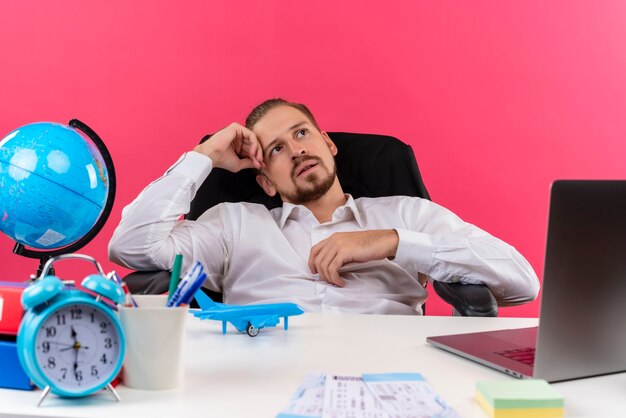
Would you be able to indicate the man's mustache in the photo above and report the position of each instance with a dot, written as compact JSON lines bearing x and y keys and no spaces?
{"x":299,"y":160}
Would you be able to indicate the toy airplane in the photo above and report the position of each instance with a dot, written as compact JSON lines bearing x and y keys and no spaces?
{"x":248,"y":318}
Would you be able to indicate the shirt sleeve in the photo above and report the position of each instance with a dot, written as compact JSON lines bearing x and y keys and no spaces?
{"x":152,"y":232}
{"x":439,"y":244}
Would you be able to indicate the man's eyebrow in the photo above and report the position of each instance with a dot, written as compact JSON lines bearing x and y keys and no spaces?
{"x":270,"y":145}
{"x":275,"y":140}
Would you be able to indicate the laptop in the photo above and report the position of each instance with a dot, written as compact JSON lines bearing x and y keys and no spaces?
{"x":582,"y":322}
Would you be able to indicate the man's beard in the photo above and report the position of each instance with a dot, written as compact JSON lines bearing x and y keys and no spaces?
{"x":317,"y":186}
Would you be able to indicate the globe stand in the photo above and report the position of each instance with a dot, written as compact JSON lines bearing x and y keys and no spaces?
{"x":43,"y":256}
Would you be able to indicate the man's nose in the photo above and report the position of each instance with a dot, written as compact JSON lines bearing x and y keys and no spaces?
{"x":297,"y":150}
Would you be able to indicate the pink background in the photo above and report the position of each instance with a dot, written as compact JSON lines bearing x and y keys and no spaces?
{"x":498,"y":98}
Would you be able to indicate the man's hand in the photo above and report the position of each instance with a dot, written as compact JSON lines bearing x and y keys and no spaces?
{"x":233,"y":148}
{"x":341,"y":248}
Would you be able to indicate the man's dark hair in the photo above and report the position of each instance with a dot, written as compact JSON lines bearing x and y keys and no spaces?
{"x":258,"y":112}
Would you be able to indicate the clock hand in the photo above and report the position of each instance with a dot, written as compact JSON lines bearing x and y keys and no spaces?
{"x":68,"y":348}
{"x":75,"y":347}
{"x":76,"y":364}
{"x":58,"y":343}
{"x":74,"y":337}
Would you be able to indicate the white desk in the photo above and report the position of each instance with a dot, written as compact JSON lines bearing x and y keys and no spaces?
{"x":234,"y":375}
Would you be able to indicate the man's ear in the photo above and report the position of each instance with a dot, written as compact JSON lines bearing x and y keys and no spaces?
{"x":330,"y":143}
{"x":266,"y":184}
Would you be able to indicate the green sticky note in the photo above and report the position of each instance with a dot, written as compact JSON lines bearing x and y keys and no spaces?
{"x":515,"y":394}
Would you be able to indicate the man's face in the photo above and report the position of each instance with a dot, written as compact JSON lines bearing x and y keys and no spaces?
{"x":299,"y":163}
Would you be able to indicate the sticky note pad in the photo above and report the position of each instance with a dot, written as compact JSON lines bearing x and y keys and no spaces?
{"x":532,"y":398}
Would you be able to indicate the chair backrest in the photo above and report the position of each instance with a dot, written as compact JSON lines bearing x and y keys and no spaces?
{"x":367,"y":166}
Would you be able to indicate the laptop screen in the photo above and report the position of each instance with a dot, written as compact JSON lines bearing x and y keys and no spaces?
{"x":582,"y":326}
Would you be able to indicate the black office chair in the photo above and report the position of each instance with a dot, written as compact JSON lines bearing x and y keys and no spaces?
{"x":367,"y":166}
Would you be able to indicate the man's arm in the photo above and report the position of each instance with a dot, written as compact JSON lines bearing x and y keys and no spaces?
{"x":441,"y":245}
{"x":341,"y":248}
{"x":435,"y":242}
{"x":151,"y":232}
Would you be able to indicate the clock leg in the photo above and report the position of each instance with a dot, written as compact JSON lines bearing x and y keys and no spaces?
{"x":113,"y":392}
{"x":43,"y":395}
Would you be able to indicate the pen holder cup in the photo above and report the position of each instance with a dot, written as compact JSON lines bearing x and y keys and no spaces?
{"x":154,"y":343}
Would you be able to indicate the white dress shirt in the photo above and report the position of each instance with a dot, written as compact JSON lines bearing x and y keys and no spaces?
{"x":253,"y":255}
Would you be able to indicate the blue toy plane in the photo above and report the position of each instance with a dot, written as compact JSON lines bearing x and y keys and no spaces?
{"x":248,"y":318}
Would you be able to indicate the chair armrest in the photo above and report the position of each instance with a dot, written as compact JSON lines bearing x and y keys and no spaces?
{"x":148,"y":282}
{"x":468,"y":299}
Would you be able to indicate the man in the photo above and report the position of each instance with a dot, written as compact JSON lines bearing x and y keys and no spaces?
{"x":322,"y":249}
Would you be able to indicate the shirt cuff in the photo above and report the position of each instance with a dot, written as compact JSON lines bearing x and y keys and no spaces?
{"x":415,"y":249}
{"x":193,"y":165}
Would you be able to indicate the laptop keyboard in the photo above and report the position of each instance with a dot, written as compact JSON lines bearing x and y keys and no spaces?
{"x":523,"y":355}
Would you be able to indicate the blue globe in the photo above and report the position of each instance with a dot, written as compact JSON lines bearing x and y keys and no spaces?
{"x":53,"y":185}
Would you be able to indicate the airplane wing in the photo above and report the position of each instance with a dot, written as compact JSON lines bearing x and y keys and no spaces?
{"x":205,"y":314}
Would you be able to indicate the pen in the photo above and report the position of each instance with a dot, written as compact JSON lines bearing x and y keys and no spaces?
{"x":128,"y":298}
{"x":190,"y":280}
{"x":175,"y":277}
{"x":192,"y":289}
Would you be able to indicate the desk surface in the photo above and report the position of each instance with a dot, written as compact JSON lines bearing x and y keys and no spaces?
{"x":234,"y":375}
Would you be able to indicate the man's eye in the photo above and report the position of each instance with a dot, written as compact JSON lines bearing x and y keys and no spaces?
{"x":276,"y":149}
{"x":301,"y":133}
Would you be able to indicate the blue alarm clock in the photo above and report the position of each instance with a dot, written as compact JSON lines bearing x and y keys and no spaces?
{"x":70,"y":342}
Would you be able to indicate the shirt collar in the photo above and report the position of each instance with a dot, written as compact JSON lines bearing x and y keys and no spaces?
{"x":351,"y":204}
{"x":287,"y":209}
{"x":290,"y":211}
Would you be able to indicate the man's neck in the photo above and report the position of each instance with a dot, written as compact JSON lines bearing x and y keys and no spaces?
{"x":324,"y":207}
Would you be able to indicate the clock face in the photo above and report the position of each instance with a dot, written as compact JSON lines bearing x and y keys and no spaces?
{"x":77,"y":347}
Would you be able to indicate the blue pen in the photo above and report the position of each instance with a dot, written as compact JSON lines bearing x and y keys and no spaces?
{"x":192,"y":289}
{"x":191,"y":276}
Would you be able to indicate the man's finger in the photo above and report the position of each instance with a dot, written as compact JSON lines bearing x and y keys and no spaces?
{"x":327,"y":258}
{"x":252,"y":146}
{"x":245,"y":163}
{"x":333,"y":271}
{"x":318,"y":262}
{"x":318,"y":266}
{"x":237,"y":146}
{"x":313,"y":256}
{"x":318,"y":253}
{"x":245,"y":154}
{"x":256,"y":152}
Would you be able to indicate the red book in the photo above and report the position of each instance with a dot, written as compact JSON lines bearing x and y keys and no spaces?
{"x":11,"y":310}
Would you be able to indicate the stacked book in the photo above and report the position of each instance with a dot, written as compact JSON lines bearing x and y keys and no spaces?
{"x":12,"y":374}
{"x":532,"y":398}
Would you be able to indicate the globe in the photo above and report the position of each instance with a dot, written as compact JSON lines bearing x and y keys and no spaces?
{"x":54,"y":185}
